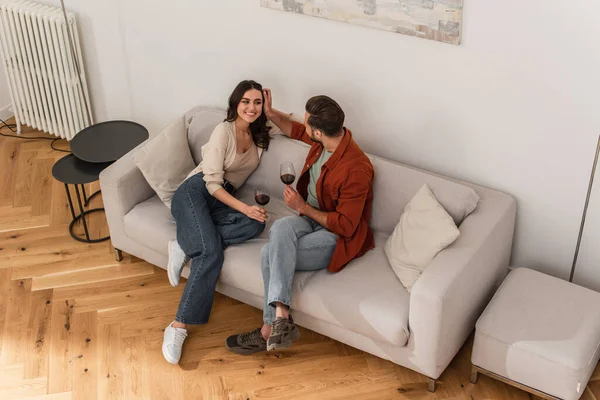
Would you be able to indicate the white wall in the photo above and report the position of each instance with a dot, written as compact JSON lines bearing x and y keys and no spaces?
{"x":99,"y":24}
{"x":104,"y":59}
{"x":515,"y":107}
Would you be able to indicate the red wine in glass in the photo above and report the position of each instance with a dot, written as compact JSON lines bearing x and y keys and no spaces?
{"x":261,"y":196}
{"x":287,"y":173}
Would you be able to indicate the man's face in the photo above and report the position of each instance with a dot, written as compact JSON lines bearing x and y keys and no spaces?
{"x":313,"y":135}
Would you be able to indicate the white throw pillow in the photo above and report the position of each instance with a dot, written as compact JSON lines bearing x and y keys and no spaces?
{"x":165,"y":161}
{"x":425,"y":228}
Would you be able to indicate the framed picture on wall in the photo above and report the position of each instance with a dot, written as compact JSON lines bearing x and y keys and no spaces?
{"x":439,"y":20}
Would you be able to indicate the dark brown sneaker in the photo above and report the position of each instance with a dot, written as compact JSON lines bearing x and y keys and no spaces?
{"x":247,"y":343}
{"x":283,"y":333}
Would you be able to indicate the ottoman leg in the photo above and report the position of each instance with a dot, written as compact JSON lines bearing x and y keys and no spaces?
{"x":431,"y":385}
{"x":474,"y":375}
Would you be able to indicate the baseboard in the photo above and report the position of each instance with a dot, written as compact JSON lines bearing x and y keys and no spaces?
{"x":6,"y":112}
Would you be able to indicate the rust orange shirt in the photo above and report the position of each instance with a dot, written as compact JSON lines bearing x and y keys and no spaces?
{"x":345,"y":192}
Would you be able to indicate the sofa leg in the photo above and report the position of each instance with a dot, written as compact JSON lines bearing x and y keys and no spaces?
{"x":474,"y":375}
{"x":431,"y":385}
{"x":118,"y":255}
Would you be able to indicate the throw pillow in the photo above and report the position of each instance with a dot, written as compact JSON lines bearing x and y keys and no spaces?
{"x":425,"y":228}
{"x":165,"y":161}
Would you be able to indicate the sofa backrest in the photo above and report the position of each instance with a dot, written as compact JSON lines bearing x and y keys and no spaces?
{"x":394,"y":186}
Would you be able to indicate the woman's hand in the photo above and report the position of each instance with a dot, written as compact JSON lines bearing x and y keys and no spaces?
{"x":256,"y":212}
{"x":268,"y":105}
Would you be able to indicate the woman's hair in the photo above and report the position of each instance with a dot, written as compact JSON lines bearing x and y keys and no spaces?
{"x":259,"y":128}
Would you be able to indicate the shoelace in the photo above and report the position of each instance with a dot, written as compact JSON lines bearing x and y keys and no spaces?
{"x":279,"y":324}
{"x":250,"y":336}
{"x":179,"y":337}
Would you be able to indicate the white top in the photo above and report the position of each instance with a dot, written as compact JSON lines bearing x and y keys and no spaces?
{"x":221,"y":161}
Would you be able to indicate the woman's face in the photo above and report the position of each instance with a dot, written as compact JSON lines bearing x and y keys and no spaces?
{"x":250,"y":106}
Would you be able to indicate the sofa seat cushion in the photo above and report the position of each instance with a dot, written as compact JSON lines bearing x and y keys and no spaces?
{"x":365,"y":297}
{"x":242,"y":270}
{"x":542,"y":332}
{"x":150,"y":223}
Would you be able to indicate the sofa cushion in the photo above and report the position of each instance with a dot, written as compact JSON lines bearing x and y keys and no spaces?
{"x":395,"y":185}
{"x":164,"y":172}
{"x":199,"y":124}
{"x":425,"y":229}
{"x":365,"y":298}
{"x":542,"y":332}
{"x":241,"y":268}
{"x":151,"y":223}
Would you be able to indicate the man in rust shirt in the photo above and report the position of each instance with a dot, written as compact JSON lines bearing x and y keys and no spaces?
{"x":334,"y":200}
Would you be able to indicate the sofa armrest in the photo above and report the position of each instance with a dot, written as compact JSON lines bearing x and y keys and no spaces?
{"x":454,"y":290}
{"x":123,"y":187}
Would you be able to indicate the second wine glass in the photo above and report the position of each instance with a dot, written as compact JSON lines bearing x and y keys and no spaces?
{"x":287,"y":173}
{"x":262,"y":197}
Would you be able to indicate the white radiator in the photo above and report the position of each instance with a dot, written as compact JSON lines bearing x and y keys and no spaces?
{"x":47,"y":91}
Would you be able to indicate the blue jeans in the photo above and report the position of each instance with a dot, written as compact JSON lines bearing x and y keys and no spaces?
{"x":205,"y":227}
{"x":295,"y":244}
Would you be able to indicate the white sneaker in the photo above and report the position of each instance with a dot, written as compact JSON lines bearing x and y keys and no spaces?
{"x":172,"y":343}
{"x":177,"y":260}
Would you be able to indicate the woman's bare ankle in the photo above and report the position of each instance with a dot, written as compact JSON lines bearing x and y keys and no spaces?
{"x":179,"y":325}
{"x":265,"y":331}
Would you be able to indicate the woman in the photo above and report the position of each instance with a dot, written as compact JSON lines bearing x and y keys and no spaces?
{"x":208,"y":217}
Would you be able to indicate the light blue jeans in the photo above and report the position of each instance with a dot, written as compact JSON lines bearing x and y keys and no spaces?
{"x":295,"y":244}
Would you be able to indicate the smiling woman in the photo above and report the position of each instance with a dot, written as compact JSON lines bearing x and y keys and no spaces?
{"x":246,"y":105}
{"x":208,"y":217}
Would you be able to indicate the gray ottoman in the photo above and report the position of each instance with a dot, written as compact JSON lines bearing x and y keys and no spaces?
{"x":541,"y":334}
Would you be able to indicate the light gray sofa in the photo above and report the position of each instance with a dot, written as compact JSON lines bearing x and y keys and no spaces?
{"x":364,"y":305}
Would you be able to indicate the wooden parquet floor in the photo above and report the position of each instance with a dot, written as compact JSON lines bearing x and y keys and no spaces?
{"x":76,"y":324}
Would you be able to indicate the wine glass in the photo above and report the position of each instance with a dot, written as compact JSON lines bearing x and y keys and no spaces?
{"x":287,"y":173}
{"x":262,"y":197}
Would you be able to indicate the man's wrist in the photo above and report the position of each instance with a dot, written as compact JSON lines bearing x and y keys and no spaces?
{"x":304,"y":208}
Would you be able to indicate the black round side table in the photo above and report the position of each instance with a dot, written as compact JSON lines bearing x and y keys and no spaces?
{"x":107,"y":141}
{"x":95,"y":148}
{"x":72,"y":171}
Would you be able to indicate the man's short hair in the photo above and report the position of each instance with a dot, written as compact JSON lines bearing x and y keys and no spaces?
{"x":326,"y":115}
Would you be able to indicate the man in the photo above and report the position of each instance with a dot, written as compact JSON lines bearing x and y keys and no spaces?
{"x":334,"y":200}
